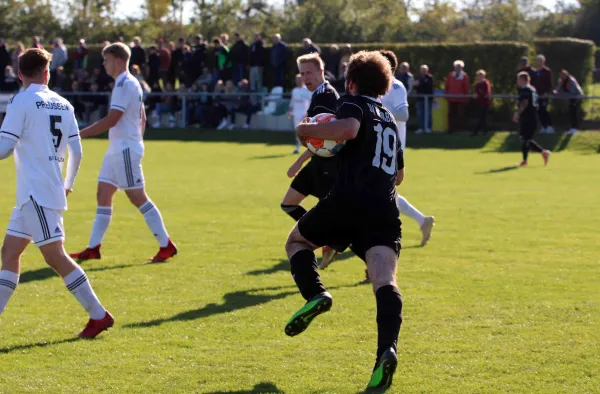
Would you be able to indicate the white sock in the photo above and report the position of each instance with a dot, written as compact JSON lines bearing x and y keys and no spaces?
{"x":103,"y":216}
{"x":78,"y":284}
{"x":8,"y":285}
{"x":407,"y":209}
{"x":155,"y":222}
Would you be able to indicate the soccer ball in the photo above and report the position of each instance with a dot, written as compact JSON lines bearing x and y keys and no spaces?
{"x":323,"y":148}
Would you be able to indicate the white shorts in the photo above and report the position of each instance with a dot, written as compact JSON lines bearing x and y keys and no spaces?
{"x":38,"y":224}
{"x":122,"y":170}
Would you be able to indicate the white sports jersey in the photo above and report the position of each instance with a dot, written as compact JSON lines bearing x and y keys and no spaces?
{"x":127,"y":98}
{"x":396,"y":98}
{"x":300,"y":100}
{"x":42,"y":123}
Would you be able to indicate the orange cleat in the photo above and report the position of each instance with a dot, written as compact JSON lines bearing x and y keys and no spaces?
{"x":95,"y":327}
{"x":546,"y":155}
{"x":164,"y":253}
{"x":523,"y":163}
{"x":88,"y":254}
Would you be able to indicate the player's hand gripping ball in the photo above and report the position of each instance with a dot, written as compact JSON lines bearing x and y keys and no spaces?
{"x":319,"y":147}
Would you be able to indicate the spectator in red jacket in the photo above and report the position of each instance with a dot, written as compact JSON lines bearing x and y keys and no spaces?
{"x":457,"y":83}
{"x":483,"y":95}
{"x":165,"y":61}
{"x":544,"y":85}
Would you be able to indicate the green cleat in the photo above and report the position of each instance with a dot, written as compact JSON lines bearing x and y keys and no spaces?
{"x":384,"y":370}
{"x":320,"y":303}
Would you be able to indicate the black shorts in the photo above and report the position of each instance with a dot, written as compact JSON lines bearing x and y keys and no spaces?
{"x":527,"y":129}
{"x":338,"y":224}
{"x":314,"y":179}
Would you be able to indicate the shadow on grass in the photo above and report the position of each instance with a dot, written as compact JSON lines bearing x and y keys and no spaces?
{"x":498,"y":170}
{"x":46,"y":273}
{"x":270,"y":157}
{"x":10,"y":349}
{"x":234,"y":301}
{"x":554,"y":142}
{"x":284,"y":265}
{"x":264,"y":387}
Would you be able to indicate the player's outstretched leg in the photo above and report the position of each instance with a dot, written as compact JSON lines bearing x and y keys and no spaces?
{"x":78,"y":284}
{"x":104,"y":212}
{"x":12,"y":249}
{"x":306,"y":275}
{"x":155,"y":222}
{"x":426,"y":223}
{"x":382,"y":263}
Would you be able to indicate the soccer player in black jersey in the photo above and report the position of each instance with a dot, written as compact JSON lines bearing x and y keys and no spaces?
{"x":318,"y":176}
{"x":360,"y":208}
{"x":526,"y":117}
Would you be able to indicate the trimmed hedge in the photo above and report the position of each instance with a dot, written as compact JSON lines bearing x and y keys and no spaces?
{"x":499,"y":59}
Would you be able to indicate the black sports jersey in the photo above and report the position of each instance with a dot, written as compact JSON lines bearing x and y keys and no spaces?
{"x":367,"y":165}
{"x":530,"y":94}
{"x":323,"y":100}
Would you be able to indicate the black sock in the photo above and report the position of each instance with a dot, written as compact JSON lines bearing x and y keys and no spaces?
{"x":389,"y":318}
{"x":306,"y":274}
{"x":535,"y":146}
{"x":525,"y":149}
{"x":295,"y":211}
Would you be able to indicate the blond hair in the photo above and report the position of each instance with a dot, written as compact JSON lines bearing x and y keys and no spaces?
{"x":313,"y":58}
{"x":118,"y":50}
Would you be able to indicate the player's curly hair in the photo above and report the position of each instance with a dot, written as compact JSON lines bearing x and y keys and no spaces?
{"x":33,"y":62}
{"x":371,"y":72}
{"x":391,"y":57}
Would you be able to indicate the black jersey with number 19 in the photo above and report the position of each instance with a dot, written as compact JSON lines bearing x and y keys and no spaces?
{"x":367,"y":165}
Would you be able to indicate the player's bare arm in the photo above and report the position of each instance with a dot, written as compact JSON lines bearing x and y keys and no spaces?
{"x":342,"y":129}
{"x":103,"y":124}
{"x":143,"y":110}
{"x":294,"y":168}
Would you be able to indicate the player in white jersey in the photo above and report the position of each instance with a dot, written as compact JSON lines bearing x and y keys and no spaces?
{"x":38,"y":127}
{"x":397,"y":102}
{"x":299,"y":105}
{"x":122,"y":166}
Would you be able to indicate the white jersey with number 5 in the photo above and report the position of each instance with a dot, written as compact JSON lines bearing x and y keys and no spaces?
{"x":41,"y":122}
{"x":127,"y":98}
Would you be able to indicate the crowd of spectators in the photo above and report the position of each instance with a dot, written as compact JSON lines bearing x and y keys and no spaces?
{"x":226,"y":82}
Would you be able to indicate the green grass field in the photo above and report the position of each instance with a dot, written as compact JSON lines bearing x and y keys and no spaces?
{"x":505,"y":298}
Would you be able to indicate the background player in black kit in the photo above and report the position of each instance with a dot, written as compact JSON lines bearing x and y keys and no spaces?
{"x":526,"y":117}
{"x":360,"y":209}
{"x":318,"y":176}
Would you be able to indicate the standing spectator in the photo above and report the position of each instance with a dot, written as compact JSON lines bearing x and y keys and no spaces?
{"x":195,"y":62}
{"x":224,"y":68}
{"x":153,"y":71}
{"x":257,"y":63}
{"x":483,"y":95}
{"x":239,"y":58}
{"x":60,"y":84}
{"x":332,"y":61}
{"x":309,"y":47}
{"x":138,"y":54}
{"x":406,"y":77}
{"x":299,"y":105}
{"x":279,"y":52}
{"x":224,"y":39}
{"x":19,"y":48}
{"x":526,"y":67}
{"x":568,"y":85}
{"x":544,"y":85}
{"x":10,"y":82}
{"x":5,"y":60}
{"x":424,"y":85}
{"x":80,"y":58}
{"x":346,"y":53}
{"x":457,"y":83}
{"x":36,"y":42}
{"x":177,"y":56}
{"x":59,"y":58}
{"x":164,"y":56}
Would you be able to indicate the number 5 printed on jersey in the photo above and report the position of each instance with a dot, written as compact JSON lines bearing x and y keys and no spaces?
{"x":386,"y":147}
{"x":55,"y":121}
